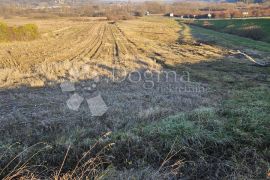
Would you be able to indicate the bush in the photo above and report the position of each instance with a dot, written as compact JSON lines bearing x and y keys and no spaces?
{"x":253,"y":32}
{"x":27,"y":32}
{"x":207,"y":24}
{"x":3,"y":31}
{"x":138,"y":13}
{"x":22,"y":33}
{"x":122,"y":16}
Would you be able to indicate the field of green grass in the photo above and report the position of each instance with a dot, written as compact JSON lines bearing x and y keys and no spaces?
{"x":257,"y":29}
{"x":228,"y":40}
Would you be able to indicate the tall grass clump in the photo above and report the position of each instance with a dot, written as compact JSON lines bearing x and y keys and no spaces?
{"x":26,"y":32}
{"x":90,"y":164}
{"x":3,"y":31}
{"x":252,"y":32}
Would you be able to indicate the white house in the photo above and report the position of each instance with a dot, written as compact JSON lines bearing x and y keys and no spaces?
{"x":171,"y":15}
{"x":245,"y":13}
{"x":59,"y":1}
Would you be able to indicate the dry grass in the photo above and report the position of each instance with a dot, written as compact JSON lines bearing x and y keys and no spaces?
{"x":21,"y":33}
{"x":159,"y":39}
{"x":83,"y":44}
{"x":158,"y":133}
{"x":87,"y":43}
{"x":90,"y":165}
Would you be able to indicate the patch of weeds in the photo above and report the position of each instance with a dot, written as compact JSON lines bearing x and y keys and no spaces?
{"x":3,"y":31}
{"x":21,"y":33}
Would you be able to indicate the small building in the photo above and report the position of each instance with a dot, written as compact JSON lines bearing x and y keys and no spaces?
{"x":245,"y":14}
{"x":147,"y":13}
{"x":59,"y":1}
{"x":171,"y":15}
{"x":209,"y":15}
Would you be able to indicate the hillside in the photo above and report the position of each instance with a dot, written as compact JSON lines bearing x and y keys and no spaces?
{"x":257,"y":29}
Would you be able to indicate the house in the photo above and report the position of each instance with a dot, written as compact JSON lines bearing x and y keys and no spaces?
{"x":147,"y":13}
{"x":59,"y":1}
{"x":171,"y":15}
{"x":245,"y":13}
{"x":209,"y":15}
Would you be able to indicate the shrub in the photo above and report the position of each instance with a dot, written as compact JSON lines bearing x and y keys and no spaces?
{"x":115,"y":17}
{"x":3,"y":31}
{"x":250,"y":31}
{"x":138,"y":13}
{"x":253,"y":32}
{"x":27,"y":32}
{"x":207,"y":24}
{"x":22,"y":33}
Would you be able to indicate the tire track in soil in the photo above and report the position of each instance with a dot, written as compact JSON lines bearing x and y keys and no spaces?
{"x":116,"y":55}
{"x":100,"y":42}
{"x":92,"y":41}
{"x":93,"y":36}
{"x":130,"y":42}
